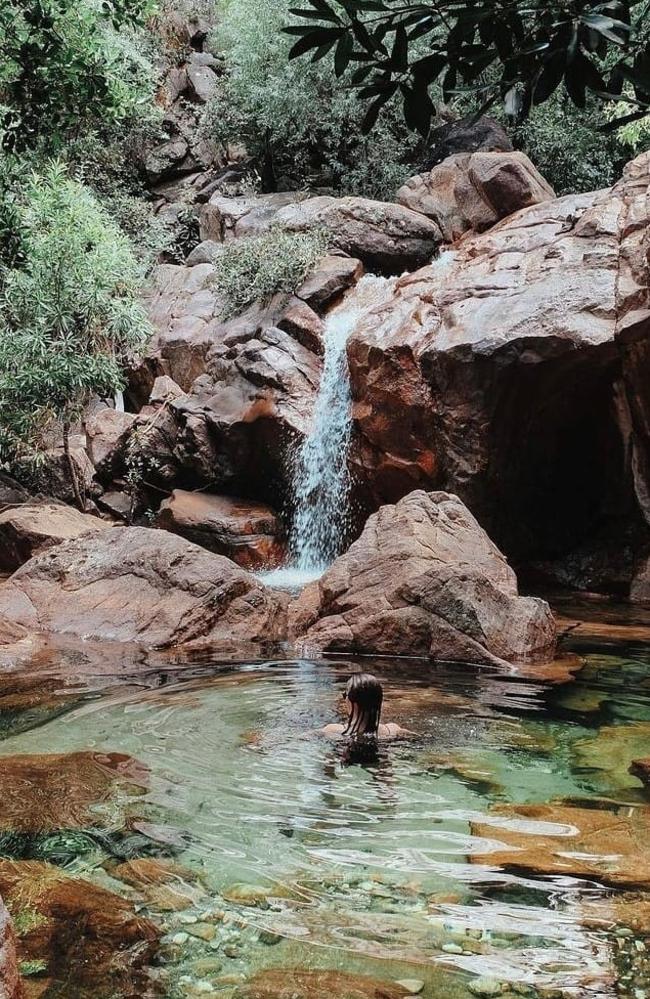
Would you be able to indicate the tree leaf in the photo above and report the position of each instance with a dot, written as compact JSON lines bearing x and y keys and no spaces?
{"x":343,"y":53}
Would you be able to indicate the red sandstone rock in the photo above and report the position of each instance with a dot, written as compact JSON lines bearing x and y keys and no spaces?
{"x":514,"y":365}
{"x":333,"y":275}
{"x":29,"y":529}
{"x":474,"y":191}
{"x":424,"y":580}
{"x":141,"y":585}
{"x":248,"y":533}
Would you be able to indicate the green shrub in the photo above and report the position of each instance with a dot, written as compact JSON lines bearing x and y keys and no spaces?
{"x":301,"y":123}
{"x":66,"y":65}
{"x":69,"y":313}
{"x":259,"y":267}
{"x":569,"y":148}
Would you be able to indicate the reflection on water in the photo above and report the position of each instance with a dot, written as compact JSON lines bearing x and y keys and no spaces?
{"x":374,"y":864}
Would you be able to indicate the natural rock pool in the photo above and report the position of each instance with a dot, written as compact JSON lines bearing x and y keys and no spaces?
{"x":259,"y":851}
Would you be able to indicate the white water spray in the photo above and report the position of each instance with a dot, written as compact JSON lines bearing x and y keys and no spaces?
{"x":321,"y":478}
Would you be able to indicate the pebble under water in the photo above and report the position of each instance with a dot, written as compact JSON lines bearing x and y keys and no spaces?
{"x":305,"y":855}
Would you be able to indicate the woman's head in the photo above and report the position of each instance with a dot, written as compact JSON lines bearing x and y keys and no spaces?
{"x":365,"y":695}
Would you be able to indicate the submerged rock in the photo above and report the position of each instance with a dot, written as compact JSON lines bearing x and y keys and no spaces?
{"x":612,"y":847}
{"x":56,"y":791}
{"x":249,"y":533}
{"x":141,"y":585}
{"x":424,"y":579}
{"x":87,"y":936}
{"x":293,"y":983}
{"x":165,"y":885}
{"x":31,"y":528}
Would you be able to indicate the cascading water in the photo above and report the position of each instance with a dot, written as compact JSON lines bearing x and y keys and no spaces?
{"x":321,"y":482}
{"x":321,"y":477}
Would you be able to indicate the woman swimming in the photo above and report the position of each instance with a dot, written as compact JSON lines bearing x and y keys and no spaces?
{"x":365,"y":696}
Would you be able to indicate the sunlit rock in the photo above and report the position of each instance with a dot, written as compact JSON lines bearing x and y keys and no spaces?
{"x":474,"y":191}
{"x":250,"y":534}
{"x":31,"y":528}
{"x":141,"y":585}
{"x":424,"y":579}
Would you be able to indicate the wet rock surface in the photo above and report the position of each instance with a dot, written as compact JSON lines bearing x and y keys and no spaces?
{"x":141,"y":585}
{"x":250,"y":534}
{"x":424,"y":579}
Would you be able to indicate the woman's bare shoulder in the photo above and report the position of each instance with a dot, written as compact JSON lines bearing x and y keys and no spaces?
{"x":333,"y":731}
{"x":391,"y":730}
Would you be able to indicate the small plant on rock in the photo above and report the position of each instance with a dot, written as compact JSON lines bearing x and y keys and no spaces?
{"x":258,"y":267}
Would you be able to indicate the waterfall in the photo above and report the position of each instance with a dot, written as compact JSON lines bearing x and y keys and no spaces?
{"x":321,"y":482}
{"x":321,"y":478}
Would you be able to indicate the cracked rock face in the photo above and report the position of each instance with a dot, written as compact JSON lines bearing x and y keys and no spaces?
{"x":141,"y":585}
{"x":424,"y":579}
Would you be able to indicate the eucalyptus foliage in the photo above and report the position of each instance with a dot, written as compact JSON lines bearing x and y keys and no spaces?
{"x":69,"y":314}
{"x":535,"y":46}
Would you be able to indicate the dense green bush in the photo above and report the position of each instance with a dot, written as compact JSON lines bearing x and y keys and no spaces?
{"x":259,"y":267}
{"x":69,"y":314}
{"x":301,"y":123}
{"x":66,"y":65}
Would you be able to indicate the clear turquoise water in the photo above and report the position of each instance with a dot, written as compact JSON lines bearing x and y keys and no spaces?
{"x":367,"y":865}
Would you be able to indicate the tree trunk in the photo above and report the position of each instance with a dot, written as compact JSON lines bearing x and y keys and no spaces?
{"x":72,"y":471}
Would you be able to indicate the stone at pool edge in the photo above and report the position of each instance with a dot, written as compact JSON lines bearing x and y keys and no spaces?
{"x":78,"y":928}
{"x":138,"y":584}
{"x":31,"y":528}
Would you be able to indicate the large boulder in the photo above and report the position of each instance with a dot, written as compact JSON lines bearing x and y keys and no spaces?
{"x":515,"y":363}
{"x":107,"y":432}
{"x":474,"y":191}
{"x":30,"y":528}
{"x":384,"y":236}
{"x":141,"y":585}
{"x":424,"y":580}
{"x":248,"y":533}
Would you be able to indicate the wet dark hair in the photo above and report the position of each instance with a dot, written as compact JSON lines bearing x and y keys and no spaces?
{"x":365,"y":694}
